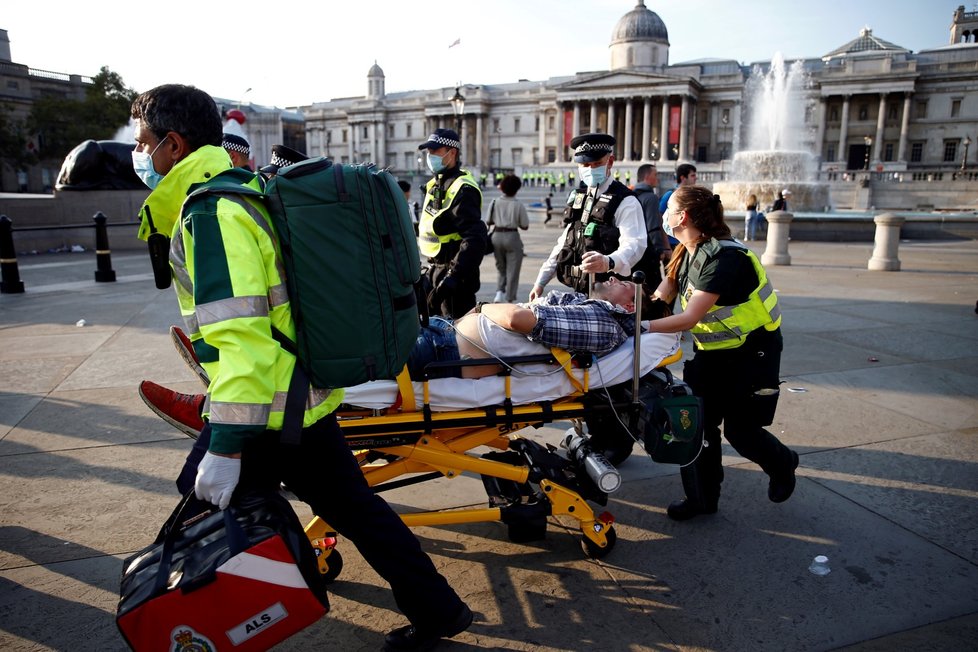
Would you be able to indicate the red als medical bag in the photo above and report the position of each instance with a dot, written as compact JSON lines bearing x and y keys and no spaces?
{"x":244,"y":578}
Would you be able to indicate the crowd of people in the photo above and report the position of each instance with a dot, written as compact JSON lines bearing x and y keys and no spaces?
{"x":609,"y":230}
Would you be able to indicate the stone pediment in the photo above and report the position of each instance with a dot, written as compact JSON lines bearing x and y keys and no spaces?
{"x":616,"y":80}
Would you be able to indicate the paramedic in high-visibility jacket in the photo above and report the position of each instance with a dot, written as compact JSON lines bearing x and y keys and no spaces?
{"x":230,"y":287}
{"x":731,"y":310}
{"x":451,"y":233}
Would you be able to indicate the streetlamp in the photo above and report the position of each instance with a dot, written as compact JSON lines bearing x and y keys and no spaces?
{"x":458,"y":107}
{"x":869,"y":144}
{"x":964,"y":159}
{"x":655,"y":149}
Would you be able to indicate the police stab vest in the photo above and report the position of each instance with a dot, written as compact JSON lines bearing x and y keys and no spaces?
{"x":727,"y":327}
{"x":592,"y":229}
{"x":434,"y":205}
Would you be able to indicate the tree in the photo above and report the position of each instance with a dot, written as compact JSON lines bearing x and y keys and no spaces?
{"x":13,"y":144}
{"x":64,"y":123}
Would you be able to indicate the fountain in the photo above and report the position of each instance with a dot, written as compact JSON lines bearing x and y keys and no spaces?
{"x":777,"y":154}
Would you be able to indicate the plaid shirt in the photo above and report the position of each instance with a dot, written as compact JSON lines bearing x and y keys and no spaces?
{"x":571,"y":321}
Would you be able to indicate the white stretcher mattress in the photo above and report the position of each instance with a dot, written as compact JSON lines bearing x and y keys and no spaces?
{"x":529,"y":383}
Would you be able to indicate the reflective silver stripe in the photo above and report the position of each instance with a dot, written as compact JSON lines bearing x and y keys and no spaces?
{"x":719,"y":314}
{"x":278,"y":295}
{"x":190,"y":321}
{"x":240,"y":414}
{"x":430,"y":238}
{"x":706,"y":338}
{"x":316,"y":397}
{"x":765,"y":291}
{"x":178,"y":260}
{"x":231,"y":308}
{"x":263,"y":224}
{"x":775,"y":312}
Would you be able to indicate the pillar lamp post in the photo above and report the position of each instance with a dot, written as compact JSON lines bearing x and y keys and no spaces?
{"x":964,"y":159}
{"x":458,"y":107}
{"x":869,"y":144}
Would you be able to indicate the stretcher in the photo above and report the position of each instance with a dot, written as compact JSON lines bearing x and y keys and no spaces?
{"x":403,"y":433}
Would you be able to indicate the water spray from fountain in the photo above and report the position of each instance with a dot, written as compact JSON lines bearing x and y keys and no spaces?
{"x":777,"y":146}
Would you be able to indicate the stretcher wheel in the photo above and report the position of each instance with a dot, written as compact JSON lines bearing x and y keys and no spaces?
{"x":593,"y":550}
{"x":334,"y":564}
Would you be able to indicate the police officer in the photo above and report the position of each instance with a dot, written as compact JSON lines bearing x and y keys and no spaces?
{"x":732,"y":312}
{"x":451,"y":233}
{"x":604,"y":223}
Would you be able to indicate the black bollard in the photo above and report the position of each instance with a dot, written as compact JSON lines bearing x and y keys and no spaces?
{"x":10,"y":282}
{"x":103,"y":255}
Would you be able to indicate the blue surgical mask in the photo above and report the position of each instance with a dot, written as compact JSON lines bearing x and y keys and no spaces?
{"x":142,"y":163}
{"x":435,"y":163}
{"x":593,"y":177}
{"x":667,"y":227}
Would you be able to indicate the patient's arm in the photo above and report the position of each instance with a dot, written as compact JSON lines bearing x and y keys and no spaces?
{"x":511,"y":316}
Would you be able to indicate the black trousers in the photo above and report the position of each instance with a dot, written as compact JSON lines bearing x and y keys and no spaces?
{"x":727,"y":381}
{"x":459,"y":301}
{"x":322,"y":472}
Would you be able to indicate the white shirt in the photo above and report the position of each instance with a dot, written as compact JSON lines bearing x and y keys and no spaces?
{"x":632,"y":239}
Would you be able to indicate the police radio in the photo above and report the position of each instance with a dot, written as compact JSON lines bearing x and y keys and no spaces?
{"x":159,"y":254}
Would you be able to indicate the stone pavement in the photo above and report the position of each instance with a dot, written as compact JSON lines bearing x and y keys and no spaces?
{"x":881,"y":402}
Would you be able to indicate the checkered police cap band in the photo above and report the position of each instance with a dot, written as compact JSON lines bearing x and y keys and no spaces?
{"x":447,"y":142}
{"x":236,"y":144}
{"x":279,"y":161}
{"x":590,"y":147}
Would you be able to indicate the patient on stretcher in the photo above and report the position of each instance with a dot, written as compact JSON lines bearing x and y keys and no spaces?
{"x":565,"y":320}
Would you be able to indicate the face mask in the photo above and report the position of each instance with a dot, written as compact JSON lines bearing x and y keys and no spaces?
{"x":665,"y":224}
{"x":593,"y":177}
{"x":142,"y":163}
{"x":435,"y":163}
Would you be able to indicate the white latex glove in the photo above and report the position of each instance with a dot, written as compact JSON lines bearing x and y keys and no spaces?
{"x":217,"y":476}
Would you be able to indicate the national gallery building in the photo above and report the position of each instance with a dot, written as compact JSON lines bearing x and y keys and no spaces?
{"x":873,"y":105}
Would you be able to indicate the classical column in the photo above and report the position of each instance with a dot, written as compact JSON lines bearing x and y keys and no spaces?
{"x":714,"y":111}
{"x":880,"y":118}
{"x":381,"y":157}
{"x":626,"y":147}
{"x":646,"y":126}
{"x":480,"y":147}
{"x":542,"y":139}
{"x":593,"y":124}
{"x":904,"y":126}
{"x":322,"y":141}
{"x":684,"y":130}
{"x":735,"y":121}
{"x":465,"y":136}
{"x":561,"y":145}
{"x":841,"y":155}
{"x":575,"y":126}
{"x":820,"y":131}
{"x":351,"y":143}
{"x":611,"y":118}
{"x":664,"y":130}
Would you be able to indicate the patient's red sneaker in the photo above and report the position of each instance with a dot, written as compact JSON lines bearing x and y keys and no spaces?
{"x":182,"y":411}
{"x":186,"y":350}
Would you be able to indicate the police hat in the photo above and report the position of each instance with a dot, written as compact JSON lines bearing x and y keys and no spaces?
{"x":282,"y":156}
{"x":592,"y":147}
{"x":441,"y":138}
{"x":235,"y":143}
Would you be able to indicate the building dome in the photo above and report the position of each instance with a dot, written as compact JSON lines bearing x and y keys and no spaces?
{"x":640,"y":24}
{"x":375,"y":82}
{"x":375,"y":71}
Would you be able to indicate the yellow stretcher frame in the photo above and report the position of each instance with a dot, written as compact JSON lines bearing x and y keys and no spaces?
{"x":405,"y":441}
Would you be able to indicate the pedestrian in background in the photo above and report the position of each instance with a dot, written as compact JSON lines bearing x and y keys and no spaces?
{"x":750,"y":220}
{"x":507,"y":215}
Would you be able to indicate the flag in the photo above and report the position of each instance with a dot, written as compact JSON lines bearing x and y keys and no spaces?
{"x":458,"y":41}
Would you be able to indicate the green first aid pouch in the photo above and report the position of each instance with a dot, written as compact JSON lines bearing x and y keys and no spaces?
{"x":670,"y":419}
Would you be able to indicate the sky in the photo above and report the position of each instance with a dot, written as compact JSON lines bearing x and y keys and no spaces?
{"x":296,"y":52}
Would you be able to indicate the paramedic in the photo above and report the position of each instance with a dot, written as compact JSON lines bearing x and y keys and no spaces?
{"x":230,"y":292}
{"x":452,"y":234}
{"x":732,"y":312}
{"x":604,"y":230}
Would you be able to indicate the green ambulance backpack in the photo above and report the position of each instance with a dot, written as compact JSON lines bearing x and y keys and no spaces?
{"x":352,"y":267}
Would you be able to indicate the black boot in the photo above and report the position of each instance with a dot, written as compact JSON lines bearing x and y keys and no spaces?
{"x":696,"y":501}
{"x":782,"y":484}
{"x":685,"y":509}
{"x":411,"y":638}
